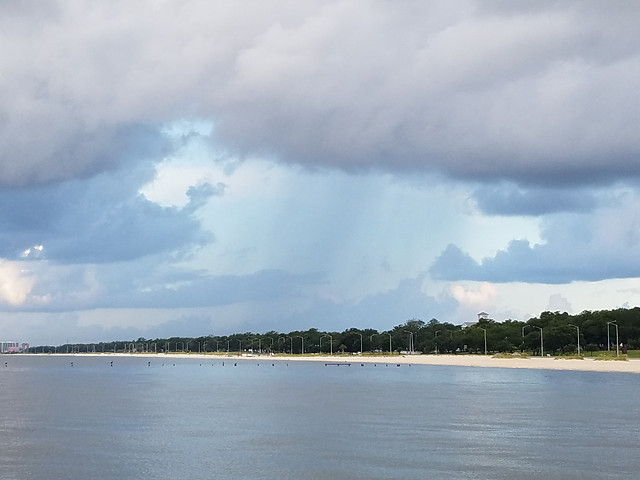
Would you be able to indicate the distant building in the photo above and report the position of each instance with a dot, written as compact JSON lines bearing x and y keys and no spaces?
{"x":481,"y":316}
{"x":9,"y":347}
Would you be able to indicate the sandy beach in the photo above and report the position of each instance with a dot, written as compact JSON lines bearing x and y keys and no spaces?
{"x":486,"y":361}
{"x":543,"y":363}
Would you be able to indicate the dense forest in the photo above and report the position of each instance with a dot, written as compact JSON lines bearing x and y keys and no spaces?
{"x":551,"y":333}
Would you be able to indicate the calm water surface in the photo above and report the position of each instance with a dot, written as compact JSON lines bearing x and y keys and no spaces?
{"x":192,"y":418}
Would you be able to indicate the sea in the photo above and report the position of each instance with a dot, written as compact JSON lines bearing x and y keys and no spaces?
{"x":115,"y":417}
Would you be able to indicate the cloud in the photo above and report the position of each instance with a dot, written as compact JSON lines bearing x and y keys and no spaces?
{"x":331,"y":147}
{"x":153,"y":283}
{"x":482,"y":297}
{"x":519,"y":262}
{"x":15,"y":283}
{"x":193,"y":290}
{"x":558,"y":303}
{"x":574,"y":247}
{"x":512,"y":200}
{"x":543,"y":95}
{"x":101,"y":219}
{"x":34,"y":252}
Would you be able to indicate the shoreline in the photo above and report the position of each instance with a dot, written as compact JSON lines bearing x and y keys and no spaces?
{"x":485,"y":361}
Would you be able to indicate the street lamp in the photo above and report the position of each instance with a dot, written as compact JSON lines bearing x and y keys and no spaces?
{"x":541,"y":341}
{"x":301,"y":338}
{"x":436,"y":338}
{"x":523,"y":345}
{"x":330,"y":342}
{"x":578,"y":334}
{"x":360,"y":342}
{"x":617,"y":342}
{"x":485,"y":339}
{"x":410,"y":341}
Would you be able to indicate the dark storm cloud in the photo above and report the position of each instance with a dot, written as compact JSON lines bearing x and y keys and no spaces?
{"x":102,"y":219}
{"x":539,"y":93}
{"x":523,"y":262}
{"x":509,"y":199}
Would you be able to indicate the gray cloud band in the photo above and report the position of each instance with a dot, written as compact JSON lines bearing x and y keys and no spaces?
{"x":476,"y":90}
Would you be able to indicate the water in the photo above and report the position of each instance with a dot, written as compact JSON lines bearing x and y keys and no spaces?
{"x":193,"y":418}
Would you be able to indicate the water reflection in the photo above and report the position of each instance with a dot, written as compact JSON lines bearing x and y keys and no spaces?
{"x":199,"y":419}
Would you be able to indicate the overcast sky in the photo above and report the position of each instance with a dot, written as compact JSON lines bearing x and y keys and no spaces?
{"x":196,"y":167}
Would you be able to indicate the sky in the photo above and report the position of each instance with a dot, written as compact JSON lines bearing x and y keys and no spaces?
{"x":187,"y":168}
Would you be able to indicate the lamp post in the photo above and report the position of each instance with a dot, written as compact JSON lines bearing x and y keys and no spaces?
{"x":330,"y":342}
{"x":410,"y":341}
{"x":577,"y":333}
{"x":301,"y":338}
{"x":390,"y":350}
{"x":541,"y":341}
{"x":360,"y":342}
{"x":485,"y":339}
{"x":522,"y":344}
{"x":436,"y":339}
{"x":617,"y":343}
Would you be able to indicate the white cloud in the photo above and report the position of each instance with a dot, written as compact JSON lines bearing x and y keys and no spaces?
{"x":558,"y":303}
{"x":33,"y":252}
{"x":16,"y":283}
{"x":481,"y":296}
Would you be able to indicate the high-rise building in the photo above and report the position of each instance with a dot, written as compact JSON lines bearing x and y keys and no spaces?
{"x":7,"y":347}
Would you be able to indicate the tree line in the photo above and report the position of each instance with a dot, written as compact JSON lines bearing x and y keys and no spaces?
{"x":550,"y":333}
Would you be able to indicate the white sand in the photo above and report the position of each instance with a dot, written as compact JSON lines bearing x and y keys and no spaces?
{"x":543,"y":363}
